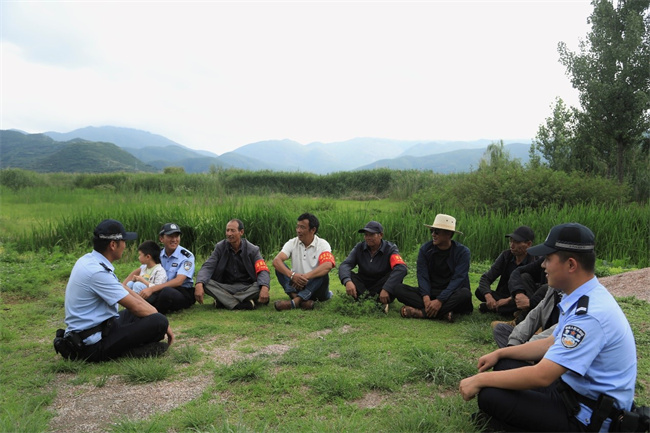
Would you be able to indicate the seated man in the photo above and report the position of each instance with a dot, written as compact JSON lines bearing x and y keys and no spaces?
{"x":499,"y":300}
{"x":585,"y":372}
{"x":542,"y":318}
{"x":443,"y":276}
{"x":178,"y":292}
{"x":527,"y":286}
{"x":235,"y":274}
{"x":381,"y":268}
{"x":96,"y":331}
{"x":311,"y":260}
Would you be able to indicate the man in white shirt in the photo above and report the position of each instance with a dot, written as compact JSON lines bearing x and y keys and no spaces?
{"x":311,"y":260}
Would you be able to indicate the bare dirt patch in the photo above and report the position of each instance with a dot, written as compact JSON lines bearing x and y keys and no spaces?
{"x":633,"y":283}
{"x":87,"y":408}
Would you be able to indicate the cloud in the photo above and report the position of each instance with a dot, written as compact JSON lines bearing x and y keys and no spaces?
{"x":218,"y":75}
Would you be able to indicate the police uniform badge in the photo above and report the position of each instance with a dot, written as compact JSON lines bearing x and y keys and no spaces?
{"x":187,"y":265}
{"x":572,"y":336}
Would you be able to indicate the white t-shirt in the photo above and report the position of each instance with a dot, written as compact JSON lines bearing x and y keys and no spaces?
{"x":154,"y":275}
{"x":306,"y":259}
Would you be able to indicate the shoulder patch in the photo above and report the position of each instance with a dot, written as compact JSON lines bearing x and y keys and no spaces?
{"x":186,"y":253}
{"x":187,"y":265}
{"x":583,"y":305}
{"x":572,"y":336}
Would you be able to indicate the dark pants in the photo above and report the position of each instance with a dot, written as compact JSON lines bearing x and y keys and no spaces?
{"x":171,"y":299}
{"x":540,"y":409}
{"x":126,"y":332}
{"x":506,"y":310}
{"x":459,"y":302}
{"x":316,"y":289}
{"x":367,"y":288}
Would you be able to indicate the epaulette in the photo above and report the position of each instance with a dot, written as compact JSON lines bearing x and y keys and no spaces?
{"x":106,"y":267}
{"x":186,"y":253}
{"x":583,"y":305}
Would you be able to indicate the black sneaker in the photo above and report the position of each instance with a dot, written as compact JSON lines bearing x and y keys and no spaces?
{"x":246,"y":305}
{"x":149,"y":350}
{"x":482,"y":307}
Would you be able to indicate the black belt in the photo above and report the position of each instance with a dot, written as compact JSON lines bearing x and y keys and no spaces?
{"x":601,"y":409}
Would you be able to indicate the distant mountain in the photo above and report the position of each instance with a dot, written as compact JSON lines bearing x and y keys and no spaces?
{"x":456,"y":161}
{"x":288,"y":155}
{"x":41,"y":153}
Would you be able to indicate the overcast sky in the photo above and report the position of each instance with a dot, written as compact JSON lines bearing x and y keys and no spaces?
{"x":217,"y":75}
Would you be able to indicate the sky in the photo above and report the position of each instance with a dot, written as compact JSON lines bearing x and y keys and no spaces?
{"x":216,"y":75}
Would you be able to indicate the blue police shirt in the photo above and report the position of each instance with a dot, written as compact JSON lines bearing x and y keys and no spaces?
{"x":597,"y":348}
{"x":181,"y":261}
{"x":92,"y":294}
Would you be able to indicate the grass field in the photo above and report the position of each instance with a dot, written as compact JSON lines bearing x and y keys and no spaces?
{"x":290,"y":371}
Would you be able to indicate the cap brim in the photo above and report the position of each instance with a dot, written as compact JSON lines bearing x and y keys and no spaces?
{"x":516,"y":237}
{"x":368,"y":231}
{"x":541,"y":250}
{"x":130,"y":236}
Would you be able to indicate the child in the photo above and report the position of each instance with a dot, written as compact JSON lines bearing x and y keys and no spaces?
{"x":151,"y":272}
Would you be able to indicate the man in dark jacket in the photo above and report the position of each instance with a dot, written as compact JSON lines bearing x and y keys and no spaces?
{"x":499,"y":300}
{"x":528,"y":286}
{"x":235,"y":274}
{"x":381,"y":268}
{"x":443,"y":276}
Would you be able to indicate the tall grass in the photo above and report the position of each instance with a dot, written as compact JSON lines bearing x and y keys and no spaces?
{"x":622,"y":233}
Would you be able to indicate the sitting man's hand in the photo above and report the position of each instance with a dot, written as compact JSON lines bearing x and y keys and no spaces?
{"x":522,"y":301}
{"x":351,"y":289}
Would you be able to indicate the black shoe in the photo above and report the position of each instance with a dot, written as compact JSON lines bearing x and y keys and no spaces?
{"x":217,"y":304}
{"x":149,"y":350}
{"x":483,"y":307}
{"x":246,"y":305}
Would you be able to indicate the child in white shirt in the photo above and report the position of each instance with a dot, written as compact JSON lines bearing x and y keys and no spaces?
{"x":151,"y":271}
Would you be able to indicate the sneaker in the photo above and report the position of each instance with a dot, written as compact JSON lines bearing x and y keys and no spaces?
{"x":384,"y":308}
{"x":482,"y":307}
{"x":494,"y":323}
{"x":149,"y":350}
{"x":329,"y":295}
{"x":217,"y":304}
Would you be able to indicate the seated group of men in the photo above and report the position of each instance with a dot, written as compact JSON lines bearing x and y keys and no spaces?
{"x":237,"y":277}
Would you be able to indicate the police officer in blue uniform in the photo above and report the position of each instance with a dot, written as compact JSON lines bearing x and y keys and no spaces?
{"x":178,"y":292}
{"x":95,"y":330}
{"x":586,"y":371}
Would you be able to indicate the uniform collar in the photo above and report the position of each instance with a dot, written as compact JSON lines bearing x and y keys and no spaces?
{"x":569,"y":300}
{"x":176,"y":252}
{"x":102,"y":259}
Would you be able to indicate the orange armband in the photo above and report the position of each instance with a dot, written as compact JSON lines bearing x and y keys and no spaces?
{"x":395,"y":260}
{"x":260,"y":266}
{"x":326,"y":257}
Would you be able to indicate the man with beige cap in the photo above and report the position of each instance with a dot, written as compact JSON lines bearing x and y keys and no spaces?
{"x":443,"y":276}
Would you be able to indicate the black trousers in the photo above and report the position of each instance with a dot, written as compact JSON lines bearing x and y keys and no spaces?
{"x":367,"y":288}
{"x":126,"y":332}
{"x":459,"y":302}
{"x":540,"y":409}
{"x":171,"y":299}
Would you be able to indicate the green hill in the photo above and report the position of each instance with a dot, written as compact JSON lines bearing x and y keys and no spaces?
{"x":38,"y":152}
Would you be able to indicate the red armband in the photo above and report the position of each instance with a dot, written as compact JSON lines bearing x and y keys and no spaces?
{"x":395,"y":260}
{"x":326,"y":257}
{"x":260,"y":266}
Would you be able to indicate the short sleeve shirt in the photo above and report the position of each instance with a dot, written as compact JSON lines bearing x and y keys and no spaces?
{"x":181,"y":261}
{"x":92,"y":294}
{"x":307,"y":258}
{"x":596,"y":347}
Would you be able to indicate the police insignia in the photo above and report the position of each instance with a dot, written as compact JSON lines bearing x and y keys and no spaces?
{"x":572,"y":336}
{"x":187,"y":265}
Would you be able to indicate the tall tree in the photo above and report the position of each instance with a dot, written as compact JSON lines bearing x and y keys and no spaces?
{"x":612,"y":74}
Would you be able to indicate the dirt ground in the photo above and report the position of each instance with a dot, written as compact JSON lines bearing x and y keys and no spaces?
{"x":90,"y":409}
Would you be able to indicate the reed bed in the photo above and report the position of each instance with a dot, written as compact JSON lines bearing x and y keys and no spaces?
{"x":622,"y":233}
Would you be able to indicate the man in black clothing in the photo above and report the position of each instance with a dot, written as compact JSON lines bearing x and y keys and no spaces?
{"x":381,"y":268}
{"x":500,"y":300}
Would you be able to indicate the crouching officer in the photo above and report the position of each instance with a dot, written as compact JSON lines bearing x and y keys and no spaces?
{"x":587,"y":369}
{"x":95,"y":330}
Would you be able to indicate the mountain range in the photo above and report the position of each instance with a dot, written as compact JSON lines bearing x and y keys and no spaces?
{"x":110,"y":148}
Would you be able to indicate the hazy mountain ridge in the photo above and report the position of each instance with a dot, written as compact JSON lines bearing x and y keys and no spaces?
{"x":152,"y":151}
